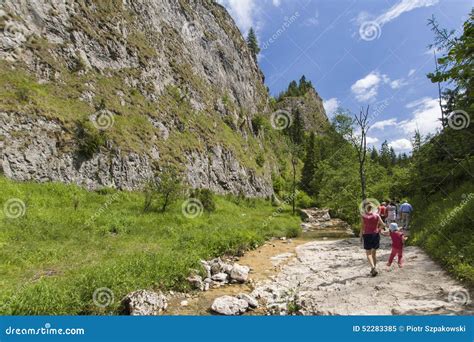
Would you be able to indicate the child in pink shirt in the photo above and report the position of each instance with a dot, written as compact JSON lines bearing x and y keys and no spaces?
{"x":397,"y":244}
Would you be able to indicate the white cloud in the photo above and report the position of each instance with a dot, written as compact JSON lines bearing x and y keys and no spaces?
{"x":426,"y":114}
{"x":402,"y":7}
{"x":242,"y":11}
{"x":401,"y":144}
{"x":371,"y":140}
{"x":384,"y":123}
{"x":331,"y":105}
{"x":276,"y":3}
{"x":365,"y":89}
{"x":397,"y":84}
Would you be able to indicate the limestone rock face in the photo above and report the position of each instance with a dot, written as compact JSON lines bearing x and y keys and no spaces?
{"x":185,"y":62}
{"x":311,"y":108}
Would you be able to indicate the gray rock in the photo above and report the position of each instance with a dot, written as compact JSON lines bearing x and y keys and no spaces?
{"x":144,"y":303}
{"x":240,"y":273}
{"x":221,"y":277}
{"x":253,"y":303}
{"x":229,"y":306}
{"x":196,"y":282}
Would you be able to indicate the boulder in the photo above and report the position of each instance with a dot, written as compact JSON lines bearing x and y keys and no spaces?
{"x":240,"y":273}
{"x":144,"y":303}
{"x":221,"y":277}
{"x":196,"y":281}
{"x":229,"y":306}
{"x":253,"y":303}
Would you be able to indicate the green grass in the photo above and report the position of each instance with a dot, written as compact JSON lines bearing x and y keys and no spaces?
{"x":52,"y":261}
{"x":443,"y":226}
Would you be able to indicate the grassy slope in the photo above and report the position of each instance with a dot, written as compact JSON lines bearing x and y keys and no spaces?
{"x":443,"y":226}
{"x":51,"y":262}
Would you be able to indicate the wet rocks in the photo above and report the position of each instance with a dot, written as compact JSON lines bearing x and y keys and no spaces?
{"x":229,"y":306}
{"x":144,"y":303}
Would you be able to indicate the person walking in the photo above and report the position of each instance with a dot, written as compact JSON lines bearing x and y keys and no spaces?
{"x":391,"y":212}
{"x":371,"y":226}
{"x":383,"y":211}
{"x":398,"y":239}
{"x":405,"y":211}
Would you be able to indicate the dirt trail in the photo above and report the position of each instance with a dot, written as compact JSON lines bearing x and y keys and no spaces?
{"x":331,"y":277}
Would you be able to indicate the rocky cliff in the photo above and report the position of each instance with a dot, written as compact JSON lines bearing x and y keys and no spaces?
{"x":105,"y":93}
{"x":311,"y":108}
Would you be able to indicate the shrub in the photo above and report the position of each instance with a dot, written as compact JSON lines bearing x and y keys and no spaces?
{"x":164,"y":189}
{"x":206,"y":197}
{"x":260,"y":160}
{"x":89,"y":139}
{"x":303,"y":200}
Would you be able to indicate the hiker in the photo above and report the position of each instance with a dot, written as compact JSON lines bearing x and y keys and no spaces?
{"x":405,"y":212}
{"x":397,"y":244}
{"x":383,"y":211}
{"x":371,"y":225}
{"x":391,"y":212}
{"x":397,"y":204}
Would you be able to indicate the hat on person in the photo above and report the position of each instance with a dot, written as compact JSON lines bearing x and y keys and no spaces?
{"x":393,"y":226}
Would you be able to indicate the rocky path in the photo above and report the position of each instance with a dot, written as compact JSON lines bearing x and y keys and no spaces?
{"x":330,"y":276}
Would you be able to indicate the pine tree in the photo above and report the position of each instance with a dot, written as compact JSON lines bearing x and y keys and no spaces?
{"x":296,"y":129}
{"x":303,"y":86}
{"x":393,"y":156}
{"x":252,"y":43}
{"x":385,"y":157}
{"x":292,"y":89}
{"x":309,"y":167}
{"x":416,"y":142}
{"x":374,"y":155}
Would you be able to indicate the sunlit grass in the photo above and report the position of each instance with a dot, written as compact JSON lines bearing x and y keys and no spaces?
{"x":51,"y":261}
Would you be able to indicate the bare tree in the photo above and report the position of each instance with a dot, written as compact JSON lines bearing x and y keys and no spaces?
{"x":361,"y":120}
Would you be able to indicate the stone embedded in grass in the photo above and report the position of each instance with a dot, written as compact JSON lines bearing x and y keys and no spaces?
{"x":240,"y":273}
{"x":229,"y":306}
{"x":196,"y":282}
{"x":144,"y":303}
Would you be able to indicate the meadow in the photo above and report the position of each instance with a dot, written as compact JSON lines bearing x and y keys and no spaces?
{"x":68,"y":242}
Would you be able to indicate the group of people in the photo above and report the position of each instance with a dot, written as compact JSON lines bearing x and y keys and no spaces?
{"x":375,"y":220}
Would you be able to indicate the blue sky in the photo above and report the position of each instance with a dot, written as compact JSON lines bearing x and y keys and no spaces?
{"x":356,"y":53}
